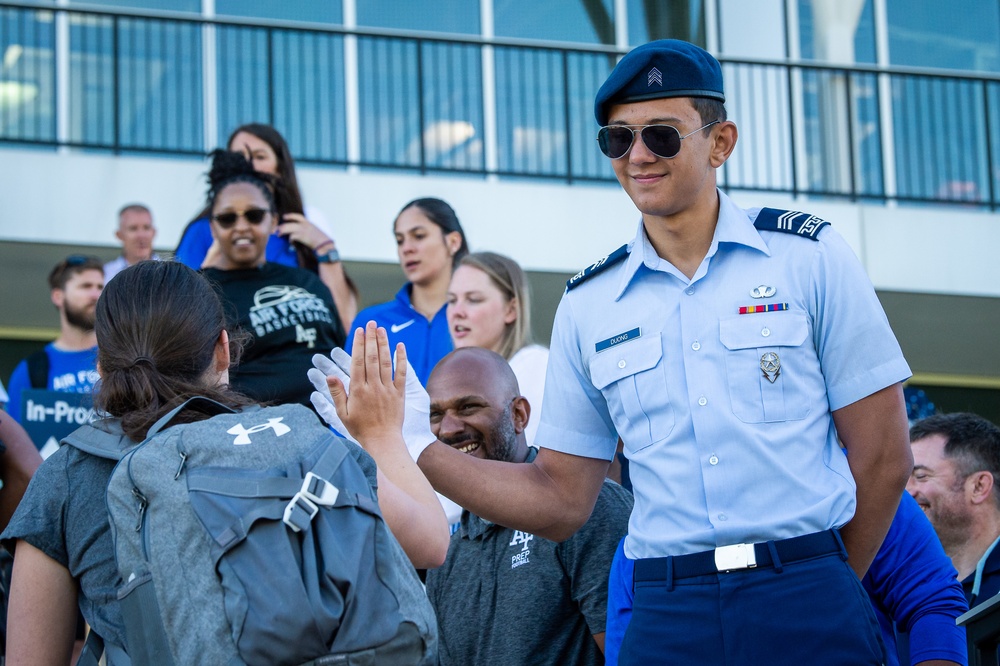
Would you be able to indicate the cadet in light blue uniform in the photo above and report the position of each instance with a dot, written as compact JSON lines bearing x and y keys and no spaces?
{"x":728,"y":349}
{"x":430,"y":242}
{"x":911,"y":584}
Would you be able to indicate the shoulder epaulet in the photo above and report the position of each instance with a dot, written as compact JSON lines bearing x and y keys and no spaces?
{"x":790,"y":222}
{"x":596,"y":267}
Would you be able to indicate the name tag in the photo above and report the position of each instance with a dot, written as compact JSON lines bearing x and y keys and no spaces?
{"x":617,"y":340}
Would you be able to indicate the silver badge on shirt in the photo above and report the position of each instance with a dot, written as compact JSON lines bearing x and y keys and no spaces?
{"x":763,"y":291}
{"x":770,"y":365}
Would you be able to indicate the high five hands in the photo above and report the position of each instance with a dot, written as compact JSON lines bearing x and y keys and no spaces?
{"x":361,"y":399}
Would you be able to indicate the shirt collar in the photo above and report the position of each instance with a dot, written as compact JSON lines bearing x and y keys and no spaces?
{"x":734,"y":226}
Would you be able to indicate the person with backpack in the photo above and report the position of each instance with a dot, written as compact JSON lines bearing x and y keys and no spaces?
{"x":67,"y":363}
{"x":164,"y":358}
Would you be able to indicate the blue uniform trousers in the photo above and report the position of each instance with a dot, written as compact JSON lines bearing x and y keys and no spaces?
{"x":811,"y":611}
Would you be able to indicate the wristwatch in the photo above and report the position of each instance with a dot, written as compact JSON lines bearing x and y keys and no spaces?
{"x":331,"y":257}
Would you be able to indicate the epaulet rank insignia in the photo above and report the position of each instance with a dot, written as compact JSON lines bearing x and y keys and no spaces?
{"x":596,"y":267}
{"x":790,"y":222}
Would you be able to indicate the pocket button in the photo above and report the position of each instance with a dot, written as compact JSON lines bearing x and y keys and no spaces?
{"x":765,"y":331}
{"x":621,"y":363}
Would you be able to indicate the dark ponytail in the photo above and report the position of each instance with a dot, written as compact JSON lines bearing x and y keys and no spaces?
{"x":157,"y":325}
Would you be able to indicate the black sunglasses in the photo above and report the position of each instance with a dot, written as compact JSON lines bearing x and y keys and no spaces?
{"x":251,"y":215}
{"x":661,"y":140}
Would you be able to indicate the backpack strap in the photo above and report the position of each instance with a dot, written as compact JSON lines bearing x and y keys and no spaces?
{"x":212,"y":406}
{"x":103,"y":439}
{"x":307,"y":494}
{"x":92,"y":650}
{"x":38,"y":369}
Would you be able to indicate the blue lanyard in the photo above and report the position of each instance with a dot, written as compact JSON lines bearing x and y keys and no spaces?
{"x":978,"y":580}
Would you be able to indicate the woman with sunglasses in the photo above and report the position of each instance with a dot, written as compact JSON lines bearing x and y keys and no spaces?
{"x":288,"y":311}
{"x":163,"y":338}
{"x":429,"y":242}
{"x":302,"y":237}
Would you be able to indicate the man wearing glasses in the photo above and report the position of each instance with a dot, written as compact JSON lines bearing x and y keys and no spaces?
{"x":728,"y":349}
{"x":68,"y":363}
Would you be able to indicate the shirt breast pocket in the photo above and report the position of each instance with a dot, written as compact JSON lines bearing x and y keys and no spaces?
{"x":764,"y":354}
{"x":633,"y":380}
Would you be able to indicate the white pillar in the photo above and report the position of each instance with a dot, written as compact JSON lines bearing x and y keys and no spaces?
{"x":210,"y":77}
{"x":352,"y":95}
{"x":491,"y":159}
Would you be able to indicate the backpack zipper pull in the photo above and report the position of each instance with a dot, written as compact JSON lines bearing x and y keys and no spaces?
{"x":142,"y":507}
{"x":180,"y":468}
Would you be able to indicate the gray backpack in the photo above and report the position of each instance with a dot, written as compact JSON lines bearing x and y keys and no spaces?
{"x":254,"y":537}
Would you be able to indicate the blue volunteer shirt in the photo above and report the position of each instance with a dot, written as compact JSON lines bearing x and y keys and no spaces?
{"x":427,"y":342}
{"x":69,"y":371}
{"x":725,"y":417}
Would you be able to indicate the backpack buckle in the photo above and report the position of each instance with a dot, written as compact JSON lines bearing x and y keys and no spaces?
{"x":304,"y":505}
{"x":319,"y":490}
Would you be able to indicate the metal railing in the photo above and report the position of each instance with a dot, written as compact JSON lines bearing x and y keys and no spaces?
{"x":167,"y":84}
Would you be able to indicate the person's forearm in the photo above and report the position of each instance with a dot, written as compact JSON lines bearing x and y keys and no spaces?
{"x":17,"y":464}
{"x":549,"y":500}
{"x":333,"y":276}
{"x":875,"y":433}
{"x":410,"y":507}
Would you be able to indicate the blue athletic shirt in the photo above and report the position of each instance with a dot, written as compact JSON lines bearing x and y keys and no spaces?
{"x":427,"y":342}
{"x":69,"y":371}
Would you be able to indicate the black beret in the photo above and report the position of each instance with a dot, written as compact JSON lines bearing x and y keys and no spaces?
{"x":664,"y":68}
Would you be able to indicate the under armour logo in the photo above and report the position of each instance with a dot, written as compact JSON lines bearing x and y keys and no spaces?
{"x":243,"y":434}
{"x":654,"y":76}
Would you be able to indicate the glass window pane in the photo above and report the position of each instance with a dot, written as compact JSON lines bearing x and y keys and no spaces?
{"x":171,"y":5}
{"x":27,"y":75}
{"x":764,"y":17}
{"x":666,"y":19}
{"x":959,"y":34}
{"x":458,"y":16}
{"x":588,"y":21}
{"x":810,"y":42}
{"x":313,"y":11}
{"x":421,"y":104}
{"x":92,"y":76}
{"x":160,"y":99}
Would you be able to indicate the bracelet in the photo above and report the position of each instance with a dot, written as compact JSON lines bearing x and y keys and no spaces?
{"x":322,"y":245}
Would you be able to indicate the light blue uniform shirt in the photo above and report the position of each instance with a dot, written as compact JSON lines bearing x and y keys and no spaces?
{"x":719,"y":454}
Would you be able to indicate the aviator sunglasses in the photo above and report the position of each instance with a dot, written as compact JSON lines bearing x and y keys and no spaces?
{"x":251,"y":215}
{"x":661,"y":140}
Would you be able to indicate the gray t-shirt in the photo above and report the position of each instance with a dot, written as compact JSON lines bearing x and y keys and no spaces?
{"x":64,"y":515}
{"x":508,"y":597}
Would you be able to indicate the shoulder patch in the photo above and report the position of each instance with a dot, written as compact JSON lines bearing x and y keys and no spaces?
{"x":790,"y":222}
{"x":596,"y":267}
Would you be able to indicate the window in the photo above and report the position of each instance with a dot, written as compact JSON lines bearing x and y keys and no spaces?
{"x":588,"y":21}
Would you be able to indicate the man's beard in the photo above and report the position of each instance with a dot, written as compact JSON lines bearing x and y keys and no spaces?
{"x":82,"y":318}
{"x":952,"y":526}
{"x":503,"y":439}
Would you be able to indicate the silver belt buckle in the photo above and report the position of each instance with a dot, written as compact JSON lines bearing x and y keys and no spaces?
{"x":735,"y":556}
